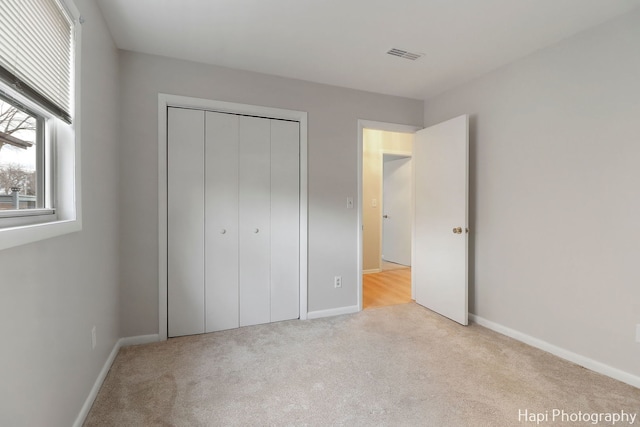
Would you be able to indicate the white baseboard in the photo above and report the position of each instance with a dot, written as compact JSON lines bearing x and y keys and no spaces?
{"x":140,"y":339}
{"x":332,"y":312}
{"x":122,"y":342}
{"x":96,"y":386}
{"x":584,"y":361}
{"x":375,"y":270}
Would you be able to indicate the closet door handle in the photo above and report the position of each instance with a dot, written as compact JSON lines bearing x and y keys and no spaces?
{"x":257,"y":230}
{"x":223,"y":231}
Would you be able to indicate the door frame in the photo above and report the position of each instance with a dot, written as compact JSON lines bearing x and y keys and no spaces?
{"x":384,"y":126}
{"x":164,"y":102}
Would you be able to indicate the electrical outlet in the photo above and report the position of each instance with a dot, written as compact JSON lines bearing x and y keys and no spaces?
{"x":93,"y":338}
{"x":337,"y":282}
{"x":638,"y":332}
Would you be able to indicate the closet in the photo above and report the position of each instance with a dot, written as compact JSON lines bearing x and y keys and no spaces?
{"x":233,"y":191}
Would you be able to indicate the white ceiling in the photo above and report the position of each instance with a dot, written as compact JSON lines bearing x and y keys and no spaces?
{"x":344,"y":42}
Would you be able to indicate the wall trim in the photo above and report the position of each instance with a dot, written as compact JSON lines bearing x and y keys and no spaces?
{"x":333,"y":312}
{"x":407,"y":154}
{"x":93,"y":393}
{"x":373,"y":270}
{"x":167,"y":100}
{"x":140,"y":339}
{"x":562,"y":353}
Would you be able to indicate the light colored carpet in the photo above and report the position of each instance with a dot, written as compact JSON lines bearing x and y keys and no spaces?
{"x":393,"y":366}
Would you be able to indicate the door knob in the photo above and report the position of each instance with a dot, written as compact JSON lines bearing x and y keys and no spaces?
{"x":223,"y":231}
{"x":457,"y":230}
{"x":257,"y":230}
{"x":385,"y":216}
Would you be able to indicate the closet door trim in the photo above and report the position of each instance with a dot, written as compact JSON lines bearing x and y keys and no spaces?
{"x":164,"y":102}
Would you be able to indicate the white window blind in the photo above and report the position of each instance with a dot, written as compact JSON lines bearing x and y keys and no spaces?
{"x":36,"y":52}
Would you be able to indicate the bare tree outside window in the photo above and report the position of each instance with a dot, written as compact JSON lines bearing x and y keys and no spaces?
{"x":18,"y":157}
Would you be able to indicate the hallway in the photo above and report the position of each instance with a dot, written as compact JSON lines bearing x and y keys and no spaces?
{"x":389,"y":287}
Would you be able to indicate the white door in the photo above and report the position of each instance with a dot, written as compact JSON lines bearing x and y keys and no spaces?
{"x":185,"y":222}
{"x":233,"y":221}
{"x":285,"y":220}
{"x":396,"y":218}
{"x":441,"y":218}
{"x":221,"y":221}
{"x":255,"y":220}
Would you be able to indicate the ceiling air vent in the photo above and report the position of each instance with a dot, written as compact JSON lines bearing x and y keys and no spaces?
{"x":404,"y":54}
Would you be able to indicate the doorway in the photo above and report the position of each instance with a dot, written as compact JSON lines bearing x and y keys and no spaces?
{"x":440,"y":214}
{"x":386,"y":218}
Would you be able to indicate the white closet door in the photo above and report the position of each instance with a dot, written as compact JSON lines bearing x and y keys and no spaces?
{"x":185,"y":216}
{"x":255,"y":189}
{"x":285,"y":217}
{"x":221,"y":221}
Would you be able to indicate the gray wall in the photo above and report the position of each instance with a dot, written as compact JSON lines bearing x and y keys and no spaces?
{"x":555,"y":203}
{"x":53,"y":292}
{"x":332,"y":114}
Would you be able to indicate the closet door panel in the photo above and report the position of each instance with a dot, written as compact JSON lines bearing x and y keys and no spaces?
{"x":185,"y":219}
{"x":285,"y":217}
{"x":221,"y":221}
{"x":254,"y":170}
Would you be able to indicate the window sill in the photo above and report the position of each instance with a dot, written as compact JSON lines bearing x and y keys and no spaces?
{"x":23,"y":234}
{"x":20,"y":213}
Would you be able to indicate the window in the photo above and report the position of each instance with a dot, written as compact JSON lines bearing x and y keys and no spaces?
{"x":22,"y":154}
{"x":39,"y":165}
{"x":36,"y":42}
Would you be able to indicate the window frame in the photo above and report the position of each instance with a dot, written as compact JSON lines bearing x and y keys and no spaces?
{"x":62,"y":183}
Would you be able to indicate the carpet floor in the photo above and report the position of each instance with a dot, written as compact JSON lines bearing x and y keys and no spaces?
{"x":392,"y":366}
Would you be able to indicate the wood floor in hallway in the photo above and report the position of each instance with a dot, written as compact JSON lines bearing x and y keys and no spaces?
{"x":389,"y":287}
